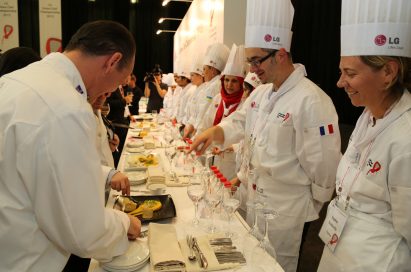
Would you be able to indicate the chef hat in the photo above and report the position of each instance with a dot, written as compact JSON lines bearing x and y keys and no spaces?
{"x":197,"y":66}
{"x":252,"y":79}
{"x":376,"y":27}
{"x":268,"y":24}
{"x":169,"y":80}
{"x":235,"y":65}
{"x":216,"y":56}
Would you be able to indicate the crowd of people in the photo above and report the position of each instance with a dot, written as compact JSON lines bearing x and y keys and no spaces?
{"x":272,"y":131}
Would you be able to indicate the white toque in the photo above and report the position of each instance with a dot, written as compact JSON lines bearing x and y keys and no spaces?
{"x":235,"y":65}
{"x":216,"y":56}
{"x":268,"y":24}
{"x":376,"y":27}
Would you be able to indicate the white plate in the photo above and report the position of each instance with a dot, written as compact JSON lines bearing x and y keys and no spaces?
{"x":135,"y":149}
{"x":135,"y":257}
{"x":136,"y":177}
{"x":135,"y":143}
{"x":133,"y":163}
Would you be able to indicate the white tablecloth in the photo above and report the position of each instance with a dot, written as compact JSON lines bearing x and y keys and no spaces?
{"x":185,"y":214}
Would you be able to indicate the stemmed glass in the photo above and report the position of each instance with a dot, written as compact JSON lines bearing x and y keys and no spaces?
{"x":232,"y":200}
{"x":213,"y":197}
{"x":268,"y":214}
{"x":195,"y":192}
{"x":252,"y":238}
{"x":130,"y":94}
{"x":105,"y":109}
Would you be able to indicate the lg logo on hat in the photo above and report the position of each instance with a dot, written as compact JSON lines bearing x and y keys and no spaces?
{"x":269,"y":38}
{"x":380,"y":40}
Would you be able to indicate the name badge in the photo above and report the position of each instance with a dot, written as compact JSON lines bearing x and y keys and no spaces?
{"x":333,"y":226}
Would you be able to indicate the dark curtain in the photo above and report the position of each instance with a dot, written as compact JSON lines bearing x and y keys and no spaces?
{"x":316,"y":44}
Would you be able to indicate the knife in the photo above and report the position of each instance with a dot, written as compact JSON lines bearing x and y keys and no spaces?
{"x":203,"y":260}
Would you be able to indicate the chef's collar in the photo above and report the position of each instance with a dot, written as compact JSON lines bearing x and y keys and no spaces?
{"x":64,"y":65}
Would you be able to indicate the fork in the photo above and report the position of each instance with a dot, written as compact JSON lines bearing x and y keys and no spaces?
{"x":192,"y":256}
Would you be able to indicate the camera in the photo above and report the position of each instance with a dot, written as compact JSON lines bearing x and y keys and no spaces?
{"x":149,"y":77}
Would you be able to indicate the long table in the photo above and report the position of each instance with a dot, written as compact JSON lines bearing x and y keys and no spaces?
{"x":185,"y":215}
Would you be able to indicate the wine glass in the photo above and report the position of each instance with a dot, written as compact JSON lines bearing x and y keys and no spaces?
{"x":105,"y":109}
{"x":268,"y":214}
{"x":129,"y":93}
{"x":231,"y":202}
{"x":251,"y":239}
{"x":195,"y":192}
{"x":213,"y":197}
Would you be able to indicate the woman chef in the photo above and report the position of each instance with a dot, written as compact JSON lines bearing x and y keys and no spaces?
{"x":225,"y":103}
{"x":371,"y":214}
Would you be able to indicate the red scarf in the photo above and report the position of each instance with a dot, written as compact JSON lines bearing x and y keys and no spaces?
{"x":228,"y":99}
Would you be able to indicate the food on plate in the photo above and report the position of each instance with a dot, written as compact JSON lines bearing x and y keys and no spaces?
{"x":147,"y":208}
{"x":142,"y":160}
{"x":129,"y":205}
{"x":143,"y":134}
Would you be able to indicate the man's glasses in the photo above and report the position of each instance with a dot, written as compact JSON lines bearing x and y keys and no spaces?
{"x":257,"y":62}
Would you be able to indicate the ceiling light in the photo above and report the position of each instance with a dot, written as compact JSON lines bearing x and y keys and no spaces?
{"x":163,"y":30}
{"x":171,"y":19}
{"x":165,"y":2}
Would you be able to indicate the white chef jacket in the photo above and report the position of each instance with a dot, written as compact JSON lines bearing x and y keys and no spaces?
{"x":225,"y":161}
{"x":212,"y":88}
{"x":52,"y":197}
{"x":377,"y":234}
{"x":103,"y":147}
{"x":186,"y":93}
{"x":170,"y":102}
{"x":192,"y":106}
{"x":294,"y":163}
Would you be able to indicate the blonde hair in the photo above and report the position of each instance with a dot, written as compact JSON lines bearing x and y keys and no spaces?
{"x":403,"y":77}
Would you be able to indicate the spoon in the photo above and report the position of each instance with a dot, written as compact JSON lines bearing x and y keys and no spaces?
{"x":192,"y":256}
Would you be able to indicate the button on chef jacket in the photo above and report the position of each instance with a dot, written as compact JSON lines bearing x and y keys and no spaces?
{"x":52,"y":188}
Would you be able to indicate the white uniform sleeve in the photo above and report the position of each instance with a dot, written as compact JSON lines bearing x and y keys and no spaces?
{"x":234,"y":125}
{"x":319,"y":155}
{"x":209,"y":116}
{"x":68,"y":195}
{"x":400,"y":195}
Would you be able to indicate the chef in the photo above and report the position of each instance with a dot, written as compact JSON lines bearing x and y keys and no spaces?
{"x":213,"y":64}
{"x":225,"y":103}
{"x":289,"y":127}
{"x":371,"y":214}
{"x":52,"y":194}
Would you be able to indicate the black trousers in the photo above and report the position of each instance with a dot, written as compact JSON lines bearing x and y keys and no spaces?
{"x":77,"y":264}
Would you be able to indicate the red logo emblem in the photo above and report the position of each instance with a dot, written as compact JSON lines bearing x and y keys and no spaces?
{"x":268,"y":38}
{"x":253,"y":104}
{"x":380,"y":40}
{"x":375,"y":168}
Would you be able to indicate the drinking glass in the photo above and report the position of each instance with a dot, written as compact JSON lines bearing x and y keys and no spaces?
{"x":195,"y":192}
{"x":130,"y":94}
{"x":213,"y":197}
{"x":268,"y":214}
{"x":231,"y":202}
{"x":105,"y":109}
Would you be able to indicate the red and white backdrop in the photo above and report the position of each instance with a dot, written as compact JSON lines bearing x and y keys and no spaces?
{"x":50,"y":26}
{"x":9,"y":24}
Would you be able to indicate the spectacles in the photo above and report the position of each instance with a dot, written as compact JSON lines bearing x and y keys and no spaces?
{"x":257,"y":62}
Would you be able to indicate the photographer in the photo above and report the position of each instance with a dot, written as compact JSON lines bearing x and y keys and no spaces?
{"x":154,"y":89}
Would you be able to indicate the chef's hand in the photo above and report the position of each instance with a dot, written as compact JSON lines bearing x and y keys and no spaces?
{"x":205,"y":139}
{"x":188,"y":130}
{"x":135,"y":228}
{"x":119,"y":182}
{"x":216,"y":151}
{"x":113,"y":143}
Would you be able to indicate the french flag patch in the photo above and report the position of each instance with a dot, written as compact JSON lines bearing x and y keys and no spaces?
{"x":326,"y":130}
